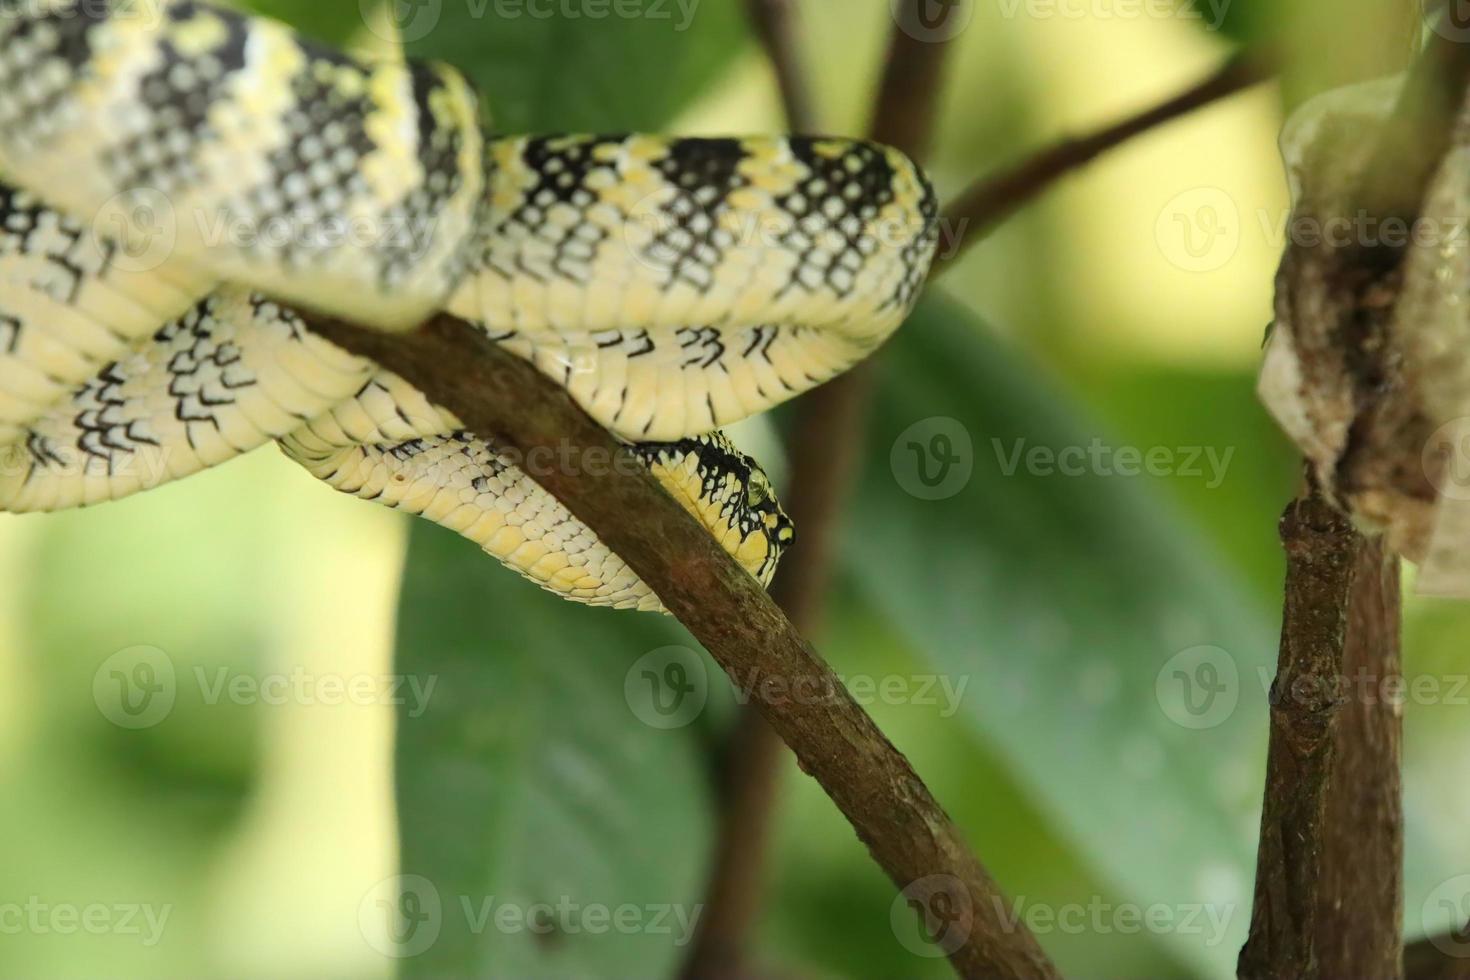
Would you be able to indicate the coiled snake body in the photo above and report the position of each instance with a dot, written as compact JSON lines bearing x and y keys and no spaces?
{"x":174,"y":185}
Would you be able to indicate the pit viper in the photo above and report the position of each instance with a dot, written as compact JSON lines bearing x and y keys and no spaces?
{"x":176,"y":180}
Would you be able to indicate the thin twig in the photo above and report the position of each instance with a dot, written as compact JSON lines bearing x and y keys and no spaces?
{"x":505,"y":399}
{"x":993,"y":199}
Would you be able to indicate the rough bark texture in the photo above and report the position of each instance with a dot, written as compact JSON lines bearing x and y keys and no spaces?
{"x":1361,"y":902}
{"x":1321,"y":561}
{"x":502,"y":398}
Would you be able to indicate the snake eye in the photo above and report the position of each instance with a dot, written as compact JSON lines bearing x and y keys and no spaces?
{"x":756,"y":494}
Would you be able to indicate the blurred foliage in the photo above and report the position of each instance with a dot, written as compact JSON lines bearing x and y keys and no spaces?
{"x":1058,"y":602}
{"x":1061,"y":597}
{"x":530,"y":781}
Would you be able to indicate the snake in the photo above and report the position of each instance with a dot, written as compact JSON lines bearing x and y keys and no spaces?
{"x":180,"y":182}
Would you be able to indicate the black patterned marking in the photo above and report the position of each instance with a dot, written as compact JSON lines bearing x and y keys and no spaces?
{"x":178,"y":96}
{"x":562,"y":166}
{"x":408,"y":230}
{"x":9,"y":333}
{"x":857,"y":184}
{"x":704,"y":346}
{"x":692,"y":242}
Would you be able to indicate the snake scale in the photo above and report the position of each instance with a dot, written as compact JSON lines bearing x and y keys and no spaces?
{"x":177,"y":179}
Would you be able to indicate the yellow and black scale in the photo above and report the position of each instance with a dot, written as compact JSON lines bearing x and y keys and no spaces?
{"x":177,"y":177}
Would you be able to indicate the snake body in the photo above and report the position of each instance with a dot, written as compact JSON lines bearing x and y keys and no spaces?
{"x":175,"y":185}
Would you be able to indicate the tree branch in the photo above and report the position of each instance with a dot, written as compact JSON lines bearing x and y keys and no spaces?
{"x":991,"y":200}
{"x":503,"y":398}
{"x":1305,"y":913}
{"x":776,"y":25}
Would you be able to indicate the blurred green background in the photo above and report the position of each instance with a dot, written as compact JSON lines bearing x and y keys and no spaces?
{"x":1068,"y":614}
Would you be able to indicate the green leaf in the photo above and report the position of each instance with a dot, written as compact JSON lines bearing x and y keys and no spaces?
{"x":608,"y":66}
{"x":534,"y":790}
{"x":1111,"y":660}
{"x":330,"y":21}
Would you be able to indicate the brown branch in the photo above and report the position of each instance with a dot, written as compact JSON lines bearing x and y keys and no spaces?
{"x":1360,"y":907}
{"x":776,"y":24}
{"x":504,"y":399}
{"x":993,"y":199}
{"x":1310,"y":854}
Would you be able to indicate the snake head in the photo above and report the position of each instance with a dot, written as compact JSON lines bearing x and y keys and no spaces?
{"x":730,"y":495}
